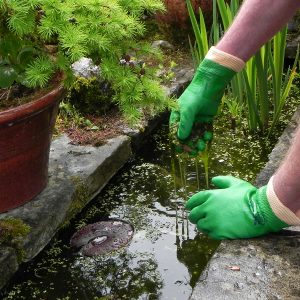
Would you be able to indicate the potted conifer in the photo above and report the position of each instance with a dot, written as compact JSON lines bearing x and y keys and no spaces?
{"x":39,"y":42}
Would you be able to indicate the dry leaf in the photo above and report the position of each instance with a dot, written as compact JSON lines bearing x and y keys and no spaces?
{"x":233,"y":268}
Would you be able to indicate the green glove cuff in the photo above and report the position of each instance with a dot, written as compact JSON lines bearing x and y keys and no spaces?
{"x":264,"y":215}
{"x":220,"y":73}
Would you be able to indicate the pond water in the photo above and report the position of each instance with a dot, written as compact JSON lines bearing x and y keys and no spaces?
{"x":166,"y":255}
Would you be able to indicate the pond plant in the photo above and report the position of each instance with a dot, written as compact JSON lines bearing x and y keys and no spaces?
{"x":40,"y":40}
{"x":196,"y":147}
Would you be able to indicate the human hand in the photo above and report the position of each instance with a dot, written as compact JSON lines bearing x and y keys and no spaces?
{"x":199,"y":102}
{"x":200,"y":137}
{"x":236,"y":209}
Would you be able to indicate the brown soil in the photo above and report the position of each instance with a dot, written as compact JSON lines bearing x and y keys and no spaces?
{"x":17,"y":94}
{"x":110,"y":125}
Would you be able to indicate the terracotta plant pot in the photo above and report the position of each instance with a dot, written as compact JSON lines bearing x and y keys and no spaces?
{"x":25,"y":137}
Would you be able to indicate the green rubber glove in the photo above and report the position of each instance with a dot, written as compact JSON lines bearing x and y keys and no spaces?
{"x":236,"y":210}
{"x":200,"y":101}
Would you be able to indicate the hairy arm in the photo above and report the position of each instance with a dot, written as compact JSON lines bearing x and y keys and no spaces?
{"x":256,"y":22}
{"x":287,"y":178}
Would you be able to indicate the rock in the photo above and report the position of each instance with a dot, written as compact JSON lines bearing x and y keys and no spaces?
{"x":162,"y":44}
{"x":239,"y":285}
{"x":291,"y":47}
{"x":85,"y":67}
{"x":183,"y":78}
{"x":292,"y":26}
{"x":8,"y":263}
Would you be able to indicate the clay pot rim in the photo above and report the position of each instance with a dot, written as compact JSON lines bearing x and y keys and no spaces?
{"x":26,"y":110}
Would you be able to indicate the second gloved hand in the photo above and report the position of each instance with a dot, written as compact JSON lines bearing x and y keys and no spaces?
{"x":236,"y":209}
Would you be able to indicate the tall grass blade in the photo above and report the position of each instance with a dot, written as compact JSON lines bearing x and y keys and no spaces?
{"x":194,"y":53}
{"x":196,"y":29}
{"x":224,"y":14}
{"x":249,"y":74}
{"x":286,"y":88}
{"x":279,"y":43}
{"x":262,"y":84}
{"x":215,"y":26}
{"x":203,"y":32}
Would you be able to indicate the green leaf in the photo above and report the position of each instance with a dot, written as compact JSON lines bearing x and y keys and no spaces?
{"x":26,"y":54}
{"x":7,"y":76}
{"x":196,"y":28}
{"x":39,"y":72}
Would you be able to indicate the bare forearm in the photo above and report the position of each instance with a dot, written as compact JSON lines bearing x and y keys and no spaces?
{"x":287,"y":178}
{"x":256,"y":22}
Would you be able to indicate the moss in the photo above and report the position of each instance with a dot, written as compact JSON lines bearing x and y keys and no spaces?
{"x":12,"y":233}
{"x":80,"y":198}
{"x":91,"y":96}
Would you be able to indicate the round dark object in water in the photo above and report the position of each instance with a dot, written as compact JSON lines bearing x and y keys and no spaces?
{"x":102,"y":237}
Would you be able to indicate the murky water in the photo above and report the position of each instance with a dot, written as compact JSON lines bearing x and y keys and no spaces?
{"x":166,"y":255}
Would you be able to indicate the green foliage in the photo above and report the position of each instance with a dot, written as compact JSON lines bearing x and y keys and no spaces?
{"x":91,"y":96}
{"x":76,"y":27}
{"x":12,"y":231}
{"x":42,"y":38}
{"x":266,"y":85}
{"x":92,"y":28}
{"x":15,"y":54}
{"x":200,"y":48}
{"x":166,"y":73}
{"x":40,"y":71}
{"x":136,"y":88}
{"x":235,"y":109}
{"x":72,"y":117}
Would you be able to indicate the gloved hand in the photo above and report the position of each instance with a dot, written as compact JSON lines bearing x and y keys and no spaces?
{"x":200,"y":101}
{"x":236,"y":210}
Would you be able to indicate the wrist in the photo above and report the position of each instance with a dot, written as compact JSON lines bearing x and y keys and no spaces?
{"x":215,"y":72}
{"x":218,"y":68}
{"x":267,"y":216}
{"x":279,"y":209}
{"x":225,"y":59}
